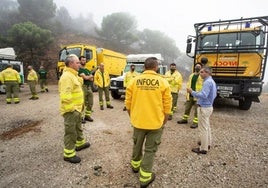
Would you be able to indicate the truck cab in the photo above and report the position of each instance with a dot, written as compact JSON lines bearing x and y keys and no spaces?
{"x":237,"y":53}
{"x":117,"y":83}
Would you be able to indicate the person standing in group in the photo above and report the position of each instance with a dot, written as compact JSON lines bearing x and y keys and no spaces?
{"x":148,"y":101}
{"x":129,"y":76}
{"x":205,"y":108}
{"x":43,"y":79}
{"x":102,"y":80}
{"x":174,"y":79}
{"x":88,"y":94}
{"x":11,"y":79}
{"x":32,"y":81}
{"x":195,"y":82}
{"x":71,"y":106}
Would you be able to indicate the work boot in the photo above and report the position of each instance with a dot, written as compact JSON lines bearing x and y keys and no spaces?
{"x":182,"y":121}
{"x":46,"y":90}
{"x":32,"y":98}
{"x":110,"y":106}
{"x":101,"y":107}
{"x":17,"y":102}
{"x":124,"y":109}
{"x":84,"y":146}
{"x":170,"y":117}
{"x":135,"y":170}
{"x":74,"y":159}
{"x":146,"y":184}
{"x":194,"y":125}
{"x":83,"y":121}
{"x":88,"y":118}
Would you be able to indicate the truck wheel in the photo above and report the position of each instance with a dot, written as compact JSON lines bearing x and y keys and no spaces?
{"x":94,"y":87}
{"x":245,"y":103}
{"x":115,"y":95}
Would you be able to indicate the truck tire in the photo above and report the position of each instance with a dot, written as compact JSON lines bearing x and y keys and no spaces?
{"x":245,"y":103}
{"x":115,"y":95}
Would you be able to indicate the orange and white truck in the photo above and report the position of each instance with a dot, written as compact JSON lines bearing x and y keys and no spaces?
{"x":237,"y":53}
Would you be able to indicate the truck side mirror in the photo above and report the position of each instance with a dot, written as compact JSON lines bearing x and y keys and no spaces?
{"x":189,"y":48}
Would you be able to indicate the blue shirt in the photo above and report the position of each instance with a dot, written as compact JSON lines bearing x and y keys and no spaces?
{"x":208,"y":93}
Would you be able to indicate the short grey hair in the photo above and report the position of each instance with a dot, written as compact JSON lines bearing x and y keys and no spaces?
{"x":69,"y":59}
{"x":207,"y":69}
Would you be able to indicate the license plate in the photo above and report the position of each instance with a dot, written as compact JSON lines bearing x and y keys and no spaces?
{"x":225,"y":88}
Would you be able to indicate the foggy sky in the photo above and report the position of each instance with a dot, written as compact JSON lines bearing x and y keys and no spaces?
{"x":173,"y":17}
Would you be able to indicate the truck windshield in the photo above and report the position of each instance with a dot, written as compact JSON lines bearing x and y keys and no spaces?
{"x":230,"y":40}
{"x":138,"y":68}
{"x":65,"y":52}
{"x":4,"y":63}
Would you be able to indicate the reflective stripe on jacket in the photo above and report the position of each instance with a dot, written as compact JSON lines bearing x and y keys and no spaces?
{"x":10,"y":74}
{"x":71,"y":92}
{"x":174,"y":80}
{"x":198,"y":85}
{"x":148,"y":97}
{"x":98,"y":79}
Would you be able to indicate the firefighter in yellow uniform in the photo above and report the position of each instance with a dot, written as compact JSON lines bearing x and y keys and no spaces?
{"x":195,"y":82}
{"x":71,"y":106}
{"x":148,"y":102}
{"x":102,"y":80}
{"x":32,"y":81}
{"x":128,"y":76}
{"x":11,"y":79}
{"x":174,"y":79}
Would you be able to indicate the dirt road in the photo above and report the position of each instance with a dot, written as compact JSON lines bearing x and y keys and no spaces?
{"x":31,"y":153}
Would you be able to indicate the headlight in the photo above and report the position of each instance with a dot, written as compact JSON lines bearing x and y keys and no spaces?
{"x":254,"y":89}
{"x":113,"y":83}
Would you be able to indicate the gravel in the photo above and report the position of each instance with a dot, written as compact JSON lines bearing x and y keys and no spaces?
{"x":32,"y":145}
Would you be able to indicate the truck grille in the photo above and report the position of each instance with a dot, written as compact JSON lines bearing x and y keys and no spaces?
{"x":228,"y":70}
{"x":120,"y":84}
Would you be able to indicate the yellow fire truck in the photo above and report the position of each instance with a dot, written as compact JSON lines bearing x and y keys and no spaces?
{"x":237,"y":53}
{"x":114,"y":62}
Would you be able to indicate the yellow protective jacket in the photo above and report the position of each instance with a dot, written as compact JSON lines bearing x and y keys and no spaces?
{"x":10,"y":74}
{"x":32,"y":76}
{"x":128,"y":76}
{"x":71,"y":92}
{"x":174,"y":80}
{"x":148,"y":98}
{"x":198,"y":85}
{"x":98,"y":79}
